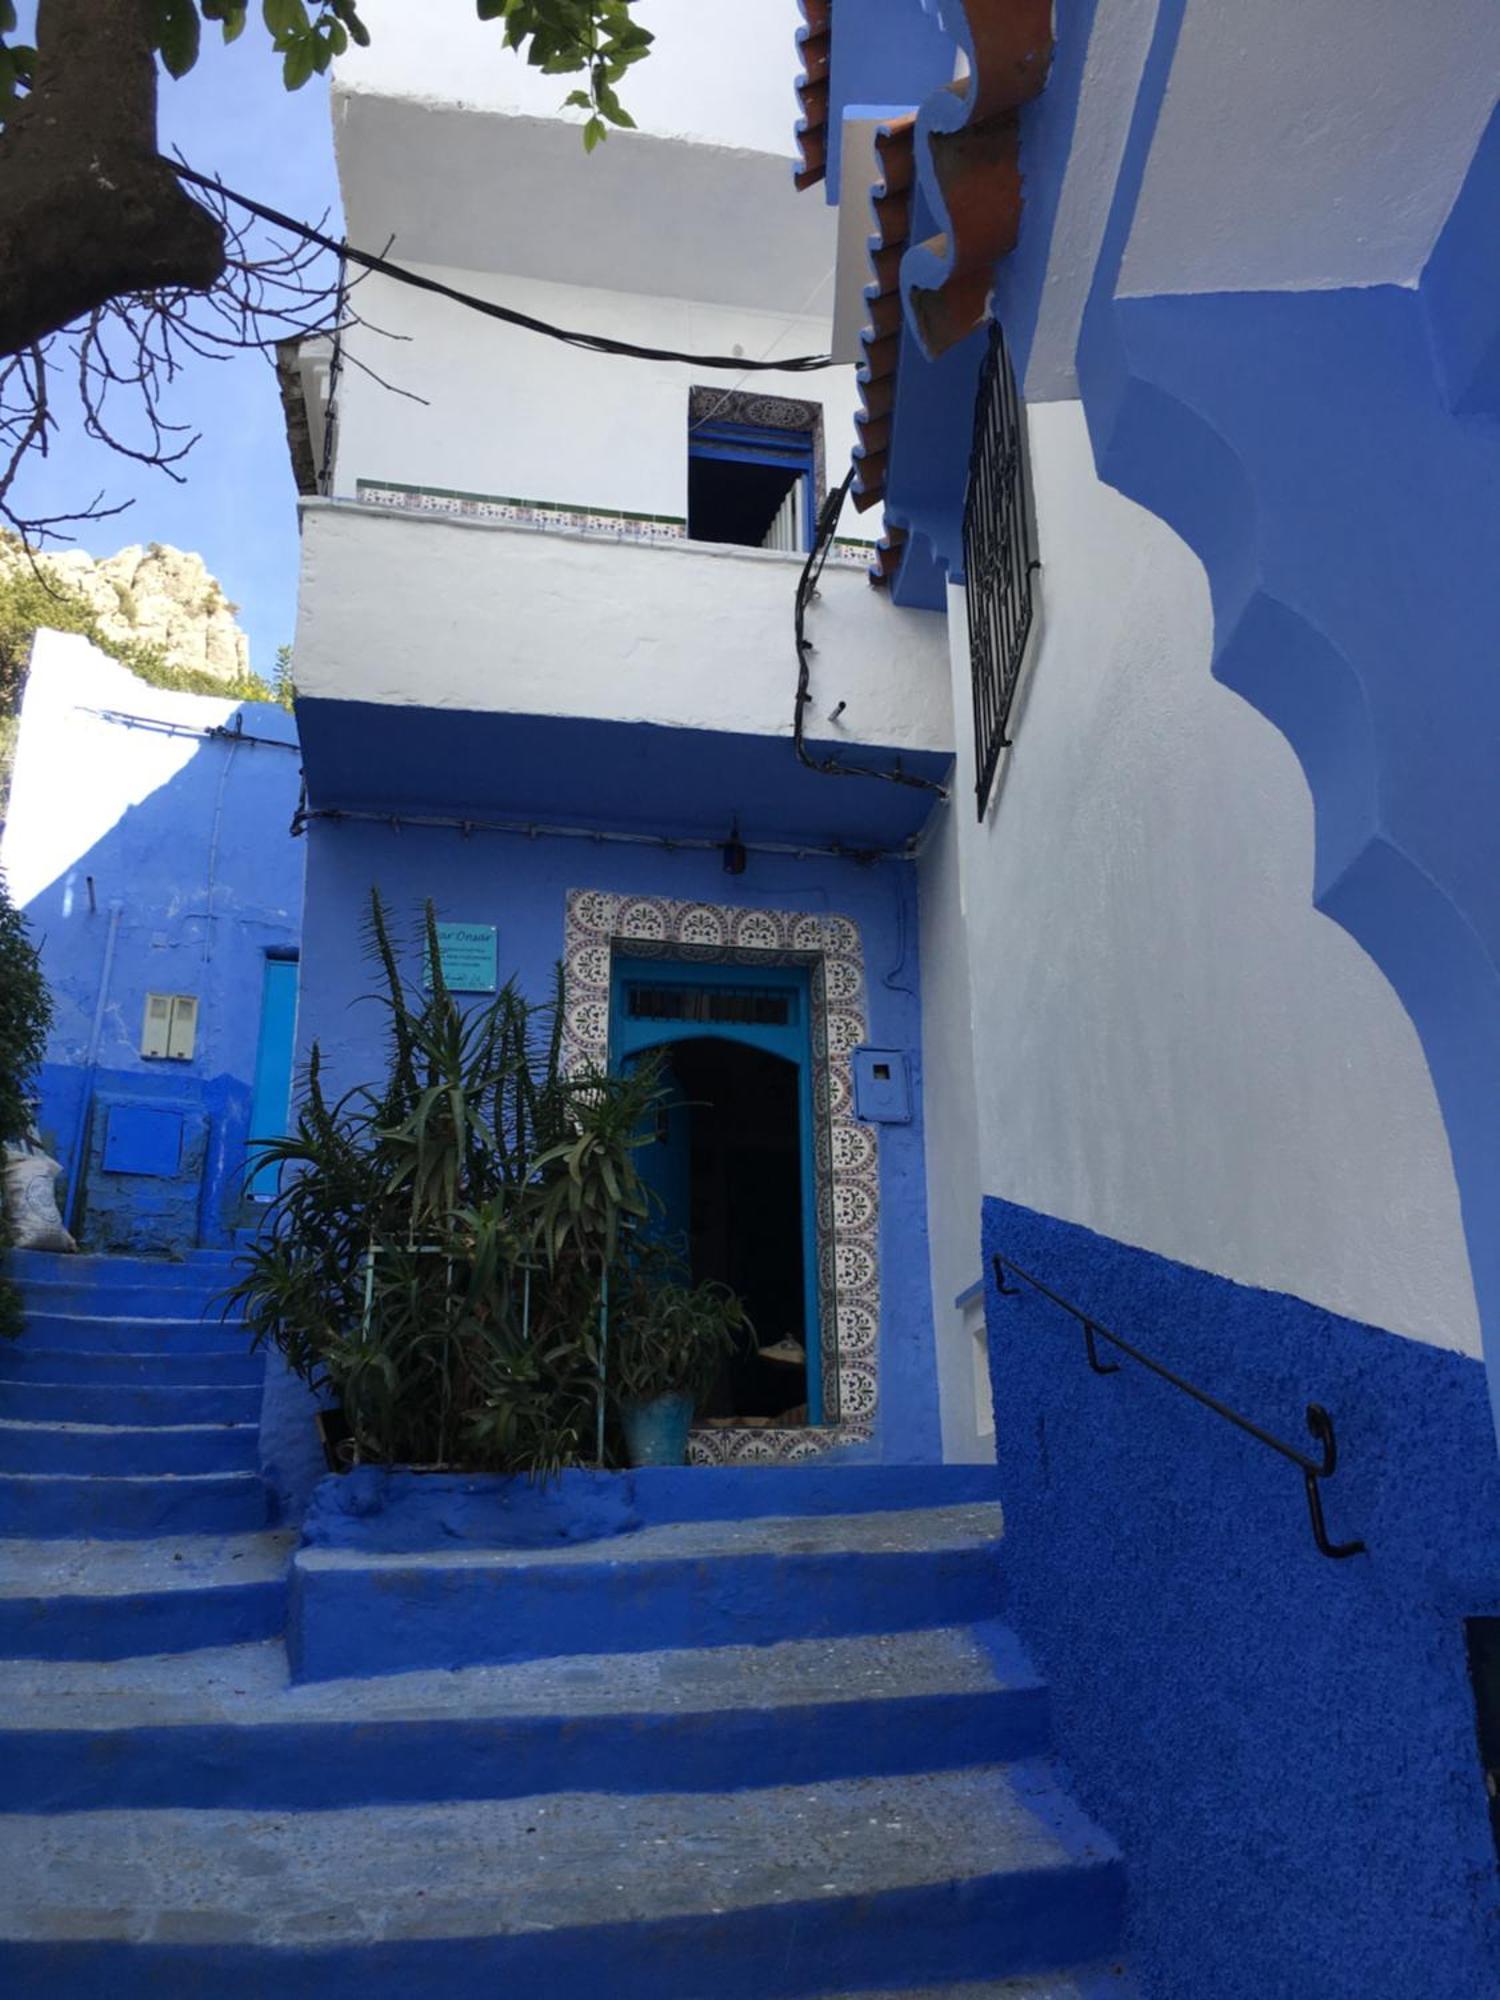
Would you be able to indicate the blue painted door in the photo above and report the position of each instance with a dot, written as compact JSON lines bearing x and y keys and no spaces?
{"x":681,"y":1010}
{"x":271,"y":1104}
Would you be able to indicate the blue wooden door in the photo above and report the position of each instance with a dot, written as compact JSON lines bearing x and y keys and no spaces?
{"x":662,"y":1005}
{"x":270,"y":1107}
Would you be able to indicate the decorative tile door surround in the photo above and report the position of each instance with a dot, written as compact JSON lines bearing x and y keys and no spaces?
{"x":601,"y":923}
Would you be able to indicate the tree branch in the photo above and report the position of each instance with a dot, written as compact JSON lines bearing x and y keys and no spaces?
{"x":81,"y":175}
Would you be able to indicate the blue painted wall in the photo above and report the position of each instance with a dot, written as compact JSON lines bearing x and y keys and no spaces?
{"x":1283,"y":1745}
{"x":520,"y":886}
{"x":207,"y":880}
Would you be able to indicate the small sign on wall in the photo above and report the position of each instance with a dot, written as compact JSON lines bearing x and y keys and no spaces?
{"x":469,"y":956}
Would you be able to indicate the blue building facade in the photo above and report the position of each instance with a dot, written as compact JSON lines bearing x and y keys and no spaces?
{"x":149,"y":841}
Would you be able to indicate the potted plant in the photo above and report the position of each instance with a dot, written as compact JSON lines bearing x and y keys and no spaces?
{"x":669,"y":1342}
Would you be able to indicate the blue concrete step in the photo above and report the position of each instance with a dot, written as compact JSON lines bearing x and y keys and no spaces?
{"x":1098,"y":1982}
{"x":127,"y":1448}
{"x":21,"y":1362}
{"x":48,"y":1504}
{"x":174,"y":1298}
{"x":93,"y":1267}
{"x":226,"y":1728}
{"x":679,"y":1583}
{"x":82,"y":1600}
{"x":102,"y":1335}
{"x":746,"y":1895}
{"x":117,"y":1402}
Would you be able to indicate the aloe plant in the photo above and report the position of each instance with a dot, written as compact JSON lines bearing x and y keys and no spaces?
{"x":443,"y":1241}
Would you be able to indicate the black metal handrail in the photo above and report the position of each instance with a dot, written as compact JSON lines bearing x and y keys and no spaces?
{"x":1319,"y":1423}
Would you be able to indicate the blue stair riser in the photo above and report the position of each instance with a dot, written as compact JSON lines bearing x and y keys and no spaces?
{"x":76,"y":1333}
{"x":112,"y":1509}
{"x":314,"y":1766}
{"x":20,"y":1361}
{"x":992,"y":1927}
{"x":128,"y":1403}
{"x":160,"y":1621}
{"x":371,"y":1621}
{"x":190,"y":1300}
{"x":201,"y":1266}
{"x":139,"y":1452}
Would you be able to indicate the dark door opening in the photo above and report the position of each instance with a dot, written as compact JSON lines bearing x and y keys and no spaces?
{"x":727,"y":1166}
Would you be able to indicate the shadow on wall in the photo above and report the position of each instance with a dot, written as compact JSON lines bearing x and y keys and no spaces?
{"x":149,"y":843}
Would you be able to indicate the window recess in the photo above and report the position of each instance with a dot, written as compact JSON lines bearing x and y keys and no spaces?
{"x":750,"y":485}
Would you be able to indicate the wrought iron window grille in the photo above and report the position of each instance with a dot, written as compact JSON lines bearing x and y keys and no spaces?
{"x":1000,"y":559}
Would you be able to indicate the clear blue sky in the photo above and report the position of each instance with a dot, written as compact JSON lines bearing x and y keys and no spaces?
{"x":238,"y":506}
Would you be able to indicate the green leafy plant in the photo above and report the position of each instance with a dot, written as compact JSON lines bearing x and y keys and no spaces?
{"x":25,"y":1016}
{"x":441,"y":1249}
{"x":672,"y":1339}
{"x":558,"y":37}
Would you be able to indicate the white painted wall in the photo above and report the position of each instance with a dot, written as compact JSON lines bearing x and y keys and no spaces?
{"x":407,"y":608}
{"x":951,"y":1124}
{"x":1310,"y":144}
{"x":73,"y":732}
{"x":719,"y":70}
{"x":1179,"y":1051}
{"x":508,"y":412}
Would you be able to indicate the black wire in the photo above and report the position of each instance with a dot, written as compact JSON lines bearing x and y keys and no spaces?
{"x":807,"y":590}
{"x":594,"y":343}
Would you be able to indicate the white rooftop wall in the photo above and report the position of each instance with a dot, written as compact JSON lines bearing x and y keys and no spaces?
{"x":720,"y":71}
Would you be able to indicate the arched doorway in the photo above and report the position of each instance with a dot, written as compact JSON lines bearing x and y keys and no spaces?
{"x":730,"y":1161}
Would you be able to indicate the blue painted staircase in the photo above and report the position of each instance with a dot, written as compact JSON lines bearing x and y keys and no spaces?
{"x":768,"y":1743}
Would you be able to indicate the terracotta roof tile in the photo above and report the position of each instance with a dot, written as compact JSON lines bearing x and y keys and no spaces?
{"x":888,"y":553}
{"x":890,"y":202}
{"x":970,"y":131}
{"x":813,"y":44}
{"x":972,"y":139}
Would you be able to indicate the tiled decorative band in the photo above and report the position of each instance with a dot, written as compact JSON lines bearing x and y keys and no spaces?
{"x":552,"y":517}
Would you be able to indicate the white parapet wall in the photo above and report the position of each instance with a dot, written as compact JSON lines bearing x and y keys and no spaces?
{"x":408,"y":608}
{"x":1171,"y":1045}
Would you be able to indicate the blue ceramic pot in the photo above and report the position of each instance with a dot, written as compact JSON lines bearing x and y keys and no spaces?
{"x":656,"y":1433}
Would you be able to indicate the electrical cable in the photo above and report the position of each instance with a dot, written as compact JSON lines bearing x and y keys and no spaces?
{"x":807,"y":590}
{"x":594,"y":343}
{"x":596,"y":836}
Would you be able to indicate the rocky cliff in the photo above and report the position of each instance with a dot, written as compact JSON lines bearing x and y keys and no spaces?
{"x":159,"y":598}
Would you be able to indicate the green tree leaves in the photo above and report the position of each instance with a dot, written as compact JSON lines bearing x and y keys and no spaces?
{"x":17,"y":59}
{"x":558,"y":37}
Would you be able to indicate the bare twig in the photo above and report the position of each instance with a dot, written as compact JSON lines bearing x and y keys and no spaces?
{"x":123,"y":359}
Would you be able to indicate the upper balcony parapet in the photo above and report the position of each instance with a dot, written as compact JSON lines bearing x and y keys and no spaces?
{"x":504,"y":607}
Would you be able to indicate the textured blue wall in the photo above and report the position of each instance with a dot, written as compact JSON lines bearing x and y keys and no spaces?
{"x":208,"y":879}
{"x":1283,"y":1745}
{"x":521,"y":885}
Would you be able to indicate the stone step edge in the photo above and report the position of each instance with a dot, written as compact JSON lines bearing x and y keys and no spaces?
{"x":75,"y":1427}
